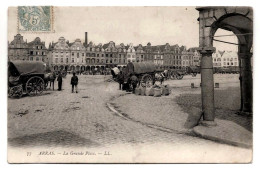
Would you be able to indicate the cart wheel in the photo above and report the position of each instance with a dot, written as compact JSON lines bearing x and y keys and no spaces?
{"x":16,"y":91}
{"x":34,"y":86}
{"x":147,"y":81}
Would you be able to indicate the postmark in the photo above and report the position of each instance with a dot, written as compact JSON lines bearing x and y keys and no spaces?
{"x":35,"y":19}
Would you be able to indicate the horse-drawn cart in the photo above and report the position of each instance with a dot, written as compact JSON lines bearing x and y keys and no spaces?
{"x":176,"y":74}
{"x":25,"y":77}
{"x":145,"y":72}
{"x":193,"y":70}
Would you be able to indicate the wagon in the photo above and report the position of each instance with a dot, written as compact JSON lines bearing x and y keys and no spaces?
{"x":176,"y":74}
{"x":193,"y":70}
{"x":25,"y":77}
{"x":145,"y":72}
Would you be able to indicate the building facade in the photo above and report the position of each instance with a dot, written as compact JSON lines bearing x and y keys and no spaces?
{"x":230,"y":58}
{"x":86,"y":56}
{"x":37,"y":50}
{"x":130,"y":55}
{"x":18,"y":49}
{"x":60,"y":54}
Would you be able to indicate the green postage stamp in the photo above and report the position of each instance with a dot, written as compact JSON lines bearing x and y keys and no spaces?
{"x":35,"y":19}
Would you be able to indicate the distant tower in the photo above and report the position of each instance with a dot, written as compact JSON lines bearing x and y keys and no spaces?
{"x":86,"y":38}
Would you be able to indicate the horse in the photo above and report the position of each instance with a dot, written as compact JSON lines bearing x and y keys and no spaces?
{"x":49,"y":77}
{"x":160,"y":77}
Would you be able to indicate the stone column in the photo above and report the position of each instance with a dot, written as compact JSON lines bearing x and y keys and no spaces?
{"x":207,"y":86}
{"x":247,"y":82}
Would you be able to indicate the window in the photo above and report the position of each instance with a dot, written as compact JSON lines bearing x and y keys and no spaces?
{"x":77,"y":55}
{"x":72,"y":60}
{"x":67,"y":60}
{"x":111,"y":55}
{"x":61,"y":60}
{"x":82,"y":54}
{"x":31,"y":58}
{"x":97,"y":55}
{"x":56,"y":60}
{"x":31,"y":52}
{"x":37,"y":58}
{"x":102,"y":55}
{"x":106,"y":55}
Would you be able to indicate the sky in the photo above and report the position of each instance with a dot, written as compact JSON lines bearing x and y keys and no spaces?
{"x":137,"y":25}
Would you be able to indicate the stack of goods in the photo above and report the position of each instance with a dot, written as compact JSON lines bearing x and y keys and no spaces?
{"x":149,"y":91}
{"x":138,"y":91}
{"x":156,"y":91}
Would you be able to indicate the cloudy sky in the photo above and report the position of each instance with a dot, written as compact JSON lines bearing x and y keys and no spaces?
{"x":158,"y":25}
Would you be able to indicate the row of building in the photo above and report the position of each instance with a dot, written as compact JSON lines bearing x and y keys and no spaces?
{"x":86,"y":55}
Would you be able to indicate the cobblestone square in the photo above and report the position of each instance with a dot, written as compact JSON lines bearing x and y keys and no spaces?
{"x":83,"y":120}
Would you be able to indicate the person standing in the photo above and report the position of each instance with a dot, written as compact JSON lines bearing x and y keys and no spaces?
{"x":59,"y":79}
{"x":120,"y":79}
{"x":134,"y":82}
{"x":74,"y":82}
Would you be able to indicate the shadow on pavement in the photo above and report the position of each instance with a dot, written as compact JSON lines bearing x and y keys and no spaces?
{"x":55,"y":138}
{"x":227,"y":104}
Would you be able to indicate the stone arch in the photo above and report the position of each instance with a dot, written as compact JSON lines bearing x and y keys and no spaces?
{"x":82,"y":68}
{"x":61,"y":67}
{"x":239,"y":21}
{"x":55,"y":67}
{"x":72,"y":68}
{"x":77,"y":68}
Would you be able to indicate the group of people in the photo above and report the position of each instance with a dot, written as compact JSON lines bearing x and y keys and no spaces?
{"x":74,"y":81}
{"x":130,"y":82}
{"x":127,"y":83}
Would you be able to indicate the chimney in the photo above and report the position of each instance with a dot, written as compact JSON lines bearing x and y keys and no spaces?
{"x":86,"y":38}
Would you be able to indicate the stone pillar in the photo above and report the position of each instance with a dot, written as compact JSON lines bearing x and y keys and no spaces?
{"x":207,"y":86}
{"x":247,"y":82}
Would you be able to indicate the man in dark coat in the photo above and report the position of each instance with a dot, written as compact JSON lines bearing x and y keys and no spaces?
{"x":74,"y":82}
{"x":59,"y":79}
{"x":134,"y":82}
{"x":120,"y":79}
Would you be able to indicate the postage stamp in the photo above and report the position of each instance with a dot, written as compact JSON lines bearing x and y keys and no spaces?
{"x":35,"y":19}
